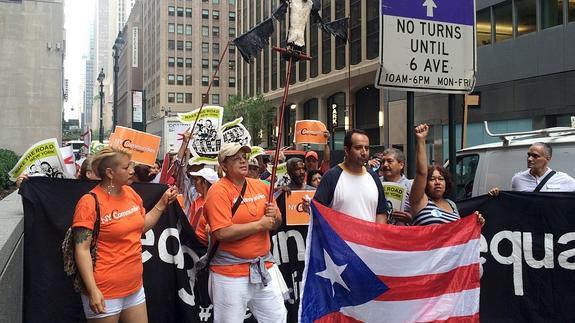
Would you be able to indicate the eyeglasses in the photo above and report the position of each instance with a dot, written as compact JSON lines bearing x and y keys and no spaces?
{"x":238,"y":157}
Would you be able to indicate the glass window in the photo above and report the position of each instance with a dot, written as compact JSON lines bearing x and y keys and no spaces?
{"x":188,"y":97}
{"x":232,"y":16}
{"x":215,"y":99}
{"x":205,"y":14}
{"x":205,"y":63}
{"x":180,"y":80}
{"x":180,"y":98}
{"x":171,"y":44}
{"x":180,"y":12}
{"x":171,"y":62}
{"x":171,"y":10}
{"x":232,"y":65}
{"x":215,"y":14}
{"x":232,"y":32}
{"x":571,"y":10}
{"x":465,"y":169}
{"x":215,"y":31}
{"x":503,"y":21}
{"x":205,"y":47}
{"x":171,"y":97}
{"x":313,"y":49}
{"x":372,"y":34}
{"x":551,"y":13}
{"x":188,"y":45}
{"x":526,"y":16}
{"x":171,"y":28}
{"x":189,"y":80}
{"x":326,"y":40}
{"x":180,"y":45}
{"x":232,"y":82}
{"x":216,"y":48}
{"x":310,"y":109}
{"x":483,"y":28}
{"x":340,"y":44}
{"x":232,"y":1}
{"x":216,"y":1}
{"x":188,"y":62}
{"x":232,"y":50}
{"x":188,"y":12}
{"x":180,"y":61}
{"x":171,"y":79}
{"x":205,"y":31}
{"x":205,"y":80}
{"x":355,"y":31}
{"x":180,"y":29}
{"x":215,"y":63}
{"x":188,"y":29}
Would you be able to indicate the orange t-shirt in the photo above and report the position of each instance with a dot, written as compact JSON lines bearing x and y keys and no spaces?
{"x":118,"y":271}
{"x":218,"y":212}
{"x":198,"y":220}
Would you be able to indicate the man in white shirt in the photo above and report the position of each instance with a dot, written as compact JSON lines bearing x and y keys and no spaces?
{"x":538,"y":158}
{"x":350,"y":187}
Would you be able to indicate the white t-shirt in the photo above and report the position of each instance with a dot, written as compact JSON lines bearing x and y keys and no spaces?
{"x":525,"y":182}
{"x":357,"y":195}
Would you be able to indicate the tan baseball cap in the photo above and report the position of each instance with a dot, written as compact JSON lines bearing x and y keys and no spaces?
{"x":230,"y":149}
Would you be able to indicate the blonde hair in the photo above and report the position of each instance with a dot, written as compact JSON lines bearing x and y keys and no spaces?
{"x":108,"y":157}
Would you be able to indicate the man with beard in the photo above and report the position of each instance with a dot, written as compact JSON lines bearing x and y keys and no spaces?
{"x":351,"y":187}
{"x":538,"y":177}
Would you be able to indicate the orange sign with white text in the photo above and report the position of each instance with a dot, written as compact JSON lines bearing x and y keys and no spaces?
{"x":310,"y":132}
{"x":143,"y":146}
{"x":296,"y":212}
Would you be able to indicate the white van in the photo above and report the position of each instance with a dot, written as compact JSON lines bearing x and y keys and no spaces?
{"x":482,"y":167}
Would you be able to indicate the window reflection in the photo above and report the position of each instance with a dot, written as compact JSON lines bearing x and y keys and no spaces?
{"x":526,"y":16}
{"x":483,"y":18}
{"x":503,"y":22}
{"x":551,"y":13}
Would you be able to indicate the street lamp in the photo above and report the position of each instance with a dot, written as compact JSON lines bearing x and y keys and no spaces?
{"x":101,"y":77}
{"x":116,"y":49}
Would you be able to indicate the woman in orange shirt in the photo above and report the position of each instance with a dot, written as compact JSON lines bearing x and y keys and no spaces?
{"x":114,"y":287}
{"x":242,"y":272}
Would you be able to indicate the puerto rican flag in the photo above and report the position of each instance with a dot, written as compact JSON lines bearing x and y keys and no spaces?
{"x":358,"y":271}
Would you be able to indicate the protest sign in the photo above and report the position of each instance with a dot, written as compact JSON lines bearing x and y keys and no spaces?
{"x":295,"y":212}
{"x":310,"y":132}
{"x":96,"y":146}
{"x":206,"y":140}
{"x":42,"y":158}
{"x":396,"y":194}
{"x":282,"y":177}
{"x":143,"y":146}
{"x":235,"y":131}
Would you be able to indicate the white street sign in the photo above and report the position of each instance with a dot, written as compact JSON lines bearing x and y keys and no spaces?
{"x":427,"y":46}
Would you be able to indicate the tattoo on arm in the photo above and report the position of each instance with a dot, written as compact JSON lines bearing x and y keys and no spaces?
{"x":81,"y":234}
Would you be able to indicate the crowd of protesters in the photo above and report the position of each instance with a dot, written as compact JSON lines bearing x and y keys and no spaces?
{"x":230,"y":208}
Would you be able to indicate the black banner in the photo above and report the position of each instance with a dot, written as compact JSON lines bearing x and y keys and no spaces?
{"x":527,"y":255}
{"x":527,"y":250}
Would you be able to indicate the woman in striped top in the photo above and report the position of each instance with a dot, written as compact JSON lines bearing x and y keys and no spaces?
{"x":429,"y":188}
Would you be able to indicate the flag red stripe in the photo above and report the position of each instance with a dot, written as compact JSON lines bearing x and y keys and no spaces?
{"x":460,"y":319}
{"x":391,"y":237}
{"x":425,"y":286}
{"x":336,"y":317}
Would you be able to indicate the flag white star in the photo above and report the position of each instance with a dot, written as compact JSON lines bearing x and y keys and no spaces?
{"x":333,"y":272}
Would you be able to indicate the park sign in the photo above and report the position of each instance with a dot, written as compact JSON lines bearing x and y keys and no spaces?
{"x":427,"y":45}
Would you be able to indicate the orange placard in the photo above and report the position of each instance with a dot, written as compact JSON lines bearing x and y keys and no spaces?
{"x":295,"y":213}
{"x":143,"y":146}
{"x":310,"y":132}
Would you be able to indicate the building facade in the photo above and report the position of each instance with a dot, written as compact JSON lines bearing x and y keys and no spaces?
{"x":31,"y":81}
{"x":183,"y":42}
{"x":525,"y":77}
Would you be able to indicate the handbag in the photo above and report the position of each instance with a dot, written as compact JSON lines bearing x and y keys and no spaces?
{"x":68,"y":245}
{"x":201,"y":288}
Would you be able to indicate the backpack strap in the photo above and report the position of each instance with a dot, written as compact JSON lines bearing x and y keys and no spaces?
{"x":544,"y":181}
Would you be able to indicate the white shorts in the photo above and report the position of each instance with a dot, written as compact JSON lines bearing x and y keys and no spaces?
{"x":115,"y":305}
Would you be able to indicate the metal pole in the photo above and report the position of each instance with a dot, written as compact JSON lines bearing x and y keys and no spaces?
{"x":410,"y":135}
{"x":101,"y":132}
{"x":115,"y":103}
{"x":144,"y":120}
{"x":451,"y":135}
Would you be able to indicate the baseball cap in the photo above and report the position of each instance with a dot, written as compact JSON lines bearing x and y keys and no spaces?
{"x":208,"y":174}
{"x":253,"y":162}
{"x":230,"y":149}
{"x":312,"y":154}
